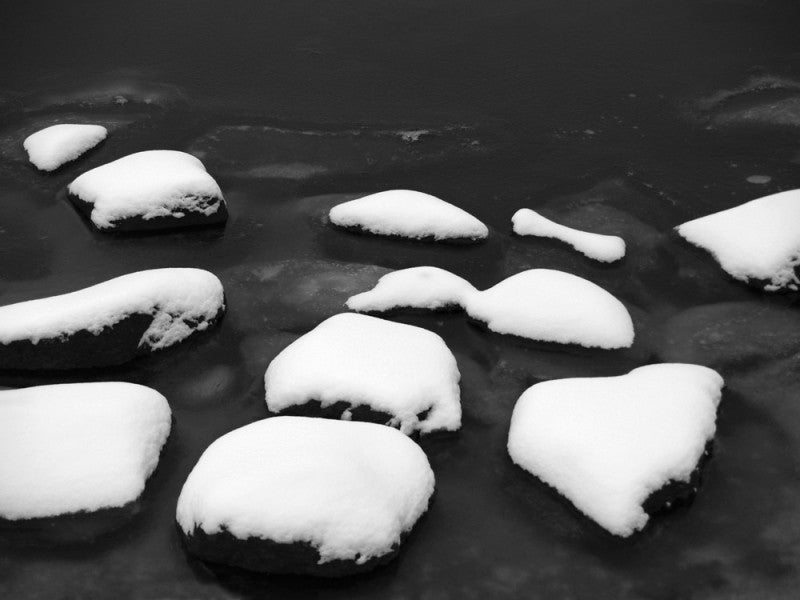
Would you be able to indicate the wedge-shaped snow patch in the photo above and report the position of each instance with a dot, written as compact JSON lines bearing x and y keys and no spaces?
{"x":51,"y":147}
{"x":111,"y":322}
{"x":757,"y":242}
{"x":301,"y":495}
{"x":359,"y":367}
{"x":78,"y":447}
{"x":155,"y":189}
{"x":603,"y":248}
{"x":409,"y":214}
{"x":539,"y":304}
{"x":609,"y":443}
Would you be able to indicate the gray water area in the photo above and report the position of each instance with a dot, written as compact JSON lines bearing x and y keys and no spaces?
{"x":620,"y":117}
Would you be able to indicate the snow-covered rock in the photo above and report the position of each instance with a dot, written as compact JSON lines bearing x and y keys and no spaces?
{"x":539,"y":304}
{"x":409,"y":214}
{"x":155,"y":189}
{"x":429,"y":288}
{"x":359,"y":367}
{"x":110,"y":322}
{"x":757,"y":242}
{"x":78,"y":447}
{"x":603,"y":248}
{"x":608,"y":443}
{"x":302,"y":495}
{"x":53,"y":146}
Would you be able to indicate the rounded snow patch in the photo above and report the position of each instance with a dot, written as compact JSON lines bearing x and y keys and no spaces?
{"x":111,"y":322}
{"x":408,"y":214}
{"x":155,"y":189}
{"x":78,"y":447}
{"x":359,"y":367}
{"x":610,"y":443}
{"x":306,"y":496}
{"x":53,"y":146}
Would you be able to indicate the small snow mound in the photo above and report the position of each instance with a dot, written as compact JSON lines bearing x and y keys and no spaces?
{"x":608,"y":443}
{"x":603,"y":248}
{"x":180,"y":301}
{"x":155,"y":184}
{"x":758,"y":240}
{"x":78,"y":447}
{"x":350,"y":489}
{"x":408,"y":214}
{"x":429,"y":288}
{"x":51,"y":147}
{"x":404,"y":371}
{"x":539,"y":304}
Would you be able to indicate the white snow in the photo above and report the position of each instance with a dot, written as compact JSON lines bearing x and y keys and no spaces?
{"x":150,"y":184}
{"x":408,"y":214}
{"x":603,"y":248}
{"x":756,"y":240}
{"x":176,"y":298}
{"x":348,"y":488}
{"x":429,"y":288}
{"x":607,"y":443}
{"x":390,"y":367}
{"x":540,"y":304}
{"x":78,"y":447}
{"x":51,"y":147}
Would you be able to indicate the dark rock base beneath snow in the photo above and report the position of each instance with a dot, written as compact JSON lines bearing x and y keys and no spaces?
{"x":676,"y":493}
{"x":361,"y":412}
{"x":268,"y":556}
{"x":139,"y":225}
{"x":428,"y":239}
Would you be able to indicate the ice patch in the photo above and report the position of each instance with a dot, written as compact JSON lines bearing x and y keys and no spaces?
{"x":78,"y":447}
{"x":53,"y":146}
{"x":608,"y":443}
{"x":603,"y":248}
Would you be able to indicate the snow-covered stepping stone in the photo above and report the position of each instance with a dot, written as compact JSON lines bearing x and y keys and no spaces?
{"x":757,"y":242}
{"x":111,"y":322}
{"x":538,"y":304}
{"x":307,"y":496}
{"x":603,"y":248}
{"x":51,"y":147}
{"x":408,"y":214}
{"x":80,"y":447}
{"x":155,"y":189}
{"x":362,"y":368}
{"x":612,"y":445}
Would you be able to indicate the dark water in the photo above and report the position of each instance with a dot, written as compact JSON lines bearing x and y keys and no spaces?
{"x":618,"y":116}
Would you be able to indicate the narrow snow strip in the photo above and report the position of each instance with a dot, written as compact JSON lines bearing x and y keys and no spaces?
{"x":603,"y":248}
{"x":349,"y":489}
{"x":78,"y":447}
{"x":179,"y":300}
{"x":53,"y":146}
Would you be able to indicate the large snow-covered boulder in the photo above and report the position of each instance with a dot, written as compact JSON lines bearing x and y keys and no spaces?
{"x":538,"y":304}
{"x":78,"y":447}
{"x":53,"y":146}
{"x":111,"y":322}
{"x":362,"y":368}
{"x":757,"y":242}
{"x":600,"y":247}
{"x":612,"y":444}
{"x":302,"y":495}
{"x":408,"y":214}
{"x":155,"y":189}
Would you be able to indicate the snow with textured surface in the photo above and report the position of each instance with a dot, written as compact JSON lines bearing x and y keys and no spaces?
{"x":389,"y":367}
{"x":757,"y":240}
{"x":51,"y":147}
{"x":608,"y":443}
{"x":429,"y":288}
{"x":539,"y":304}
{"x":150,"y":184}
{"x":408,"y":214}
{"x":349,"y":489}
{"x":603,"y":248}
{"x":78,"y":447}
{"x":180,"y":301}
